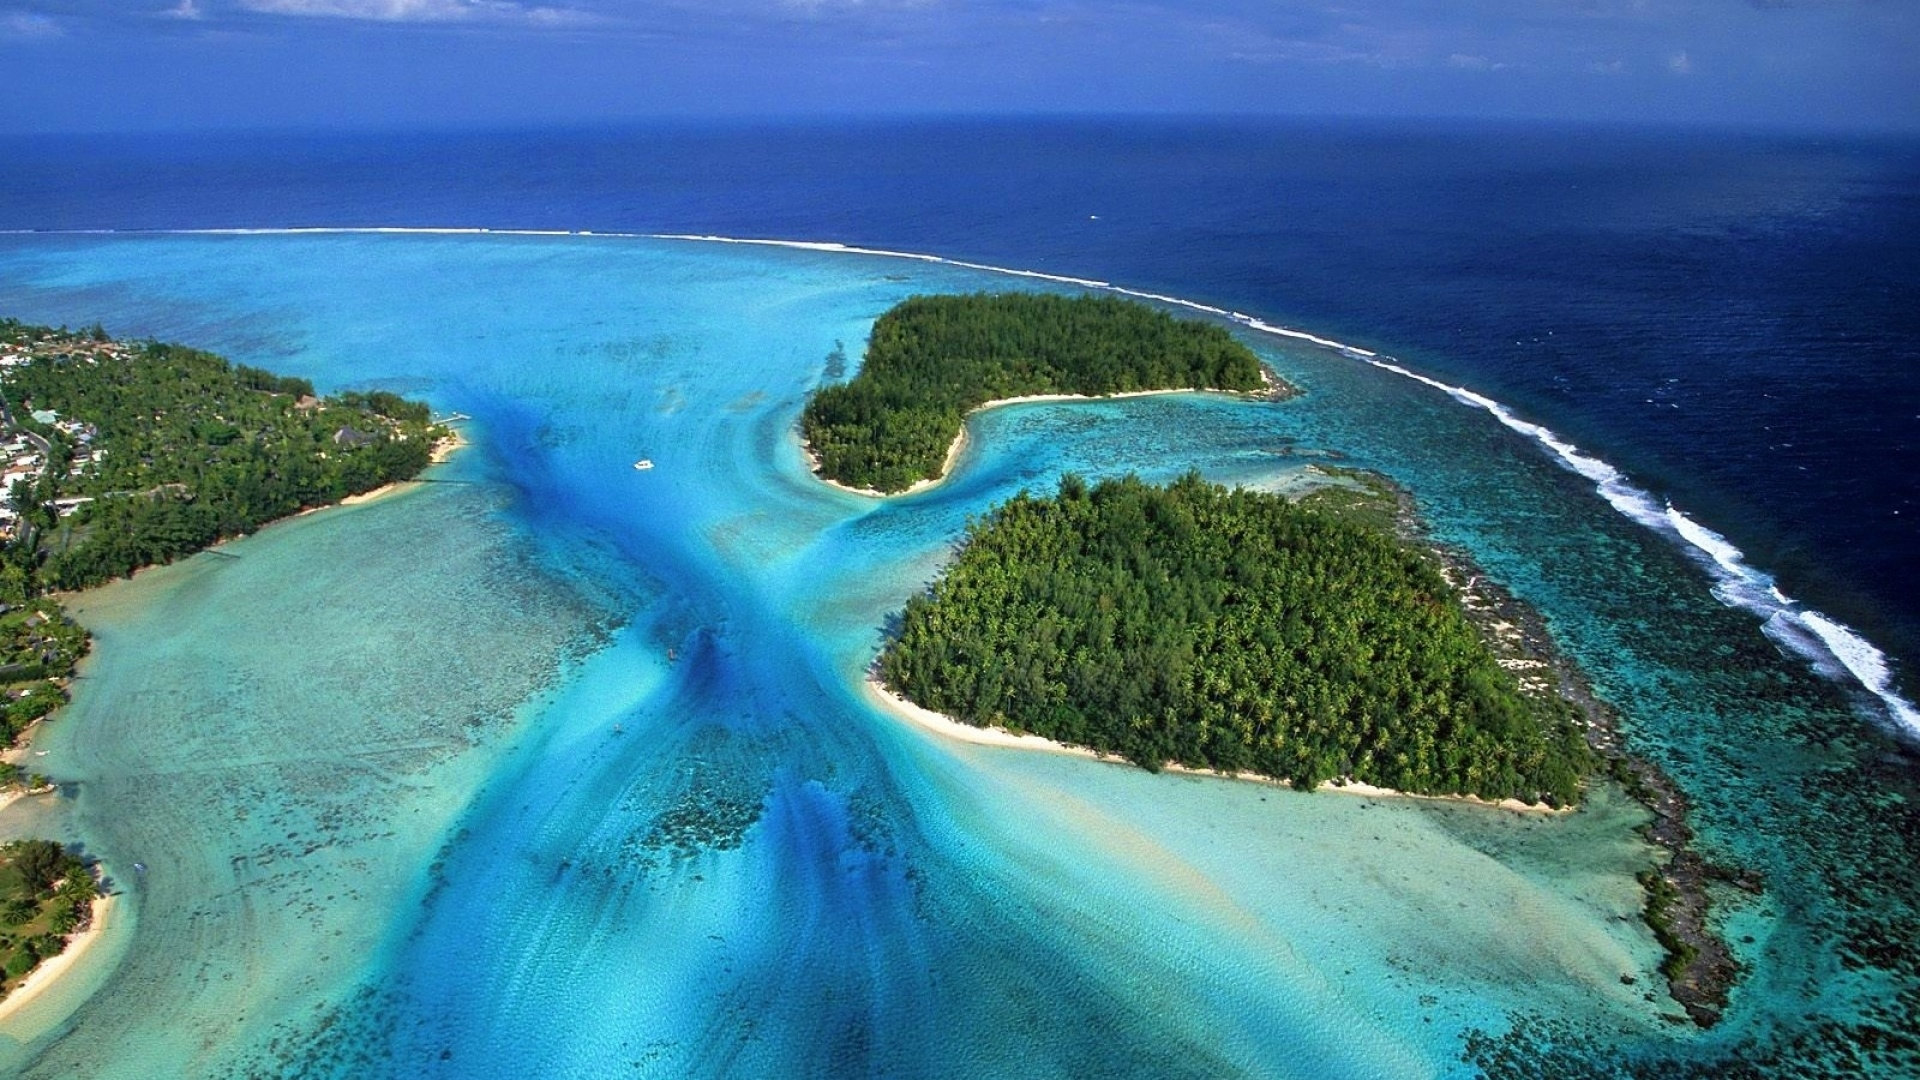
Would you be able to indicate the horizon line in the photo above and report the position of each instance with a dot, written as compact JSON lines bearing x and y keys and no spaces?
{"x":961,"y":117}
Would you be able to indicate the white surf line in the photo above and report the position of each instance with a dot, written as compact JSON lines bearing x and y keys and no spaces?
{"x":1086,"y":283}
{"x":1834,"y":649}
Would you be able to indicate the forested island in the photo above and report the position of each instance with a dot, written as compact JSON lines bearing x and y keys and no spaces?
{"x":1318,"y":640}
{"x":117,"y":455}
{"x":932,"y":359}
{"x":1230,"y":630}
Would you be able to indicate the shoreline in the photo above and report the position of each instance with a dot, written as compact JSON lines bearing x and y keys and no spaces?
{"x":48,"y":972}
{"x":1270,"y":387}
{"x":1678,"y":902}
{"x":948,"y":728}
{"x":954,"y":451}
{"x":442,"y":451}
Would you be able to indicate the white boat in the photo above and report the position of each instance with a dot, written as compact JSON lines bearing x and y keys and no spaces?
{"x":643,"y":464}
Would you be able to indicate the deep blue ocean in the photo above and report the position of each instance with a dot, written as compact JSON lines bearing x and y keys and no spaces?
{"x":558,"y":767}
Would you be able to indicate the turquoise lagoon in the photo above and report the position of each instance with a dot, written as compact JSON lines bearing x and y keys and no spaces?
{"x":557,"y":767}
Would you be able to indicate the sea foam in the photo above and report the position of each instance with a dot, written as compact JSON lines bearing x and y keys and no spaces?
{"x":1835,"y":650}
{"x":1832,"y":648}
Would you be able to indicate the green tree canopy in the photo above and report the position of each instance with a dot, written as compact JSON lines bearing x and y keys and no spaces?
{"x":931,"y":359}
{"x":1231,"y":630}
{"x":181,"y":448}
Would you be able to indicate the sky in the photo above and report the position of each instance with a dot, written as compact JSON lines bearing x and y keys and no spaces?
{"x":164,"y":65}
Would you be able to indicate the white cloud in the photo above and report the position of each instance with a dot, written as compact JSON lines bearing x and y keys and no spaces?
{"x":1247,"y":43}
{"x":28,"y":24}
{"x":1679,"y":64}
{"x":1471,"y":63}
{"x":186,"y":9}
{"x":1611,"y":67}
{"x":1277,"y":51}
{"x":423,"y":11}
{"x":819,"y":7}
{"x":378,"y":10}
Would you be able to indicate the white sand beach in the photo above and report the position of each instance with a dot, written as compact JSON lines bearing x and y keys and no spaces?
{"x":50,"y":969}
{"x":949,"y":728}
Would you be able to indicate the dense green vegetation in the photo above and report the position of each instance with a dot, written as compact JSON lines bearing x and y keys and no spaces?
{"x":1231,"y":630}
{"x":931,"y":359}
{"x":39,"y":646}
{"x":184,"y":449}
{"x":45,"y":894}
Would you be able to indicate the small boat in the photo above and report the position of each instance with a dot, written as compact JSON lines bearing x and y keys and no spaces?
{"x":643,"y":464}
{"x":139,"y":868}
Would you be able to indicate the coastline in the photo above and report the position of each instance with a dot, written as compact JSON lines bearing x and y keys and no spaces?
{"x":948,"y":728}
{"x":1678,"y":902}
{"x":49,"y":970}
{"x":442,"y":451}
{"x":1271,"y":387}
{"x":954,"y":450}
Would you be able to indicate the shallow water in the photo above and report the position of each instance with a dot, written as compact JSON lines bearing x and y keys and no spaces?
{"x":421,"y":791}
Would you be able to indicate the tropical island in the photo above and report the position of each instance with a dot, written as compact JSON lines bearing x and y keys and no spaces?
{"x":933,"y":359}
{"x":1226,"y":630}
{"x":1319,"y":642}
{"x":1229,"y":630}
{"x":118,"y":455}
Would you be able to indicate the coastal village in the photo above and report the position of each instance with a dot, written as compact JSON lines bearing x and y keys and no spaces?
{"x":38,"y":644}
{"x":25,"y":452}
